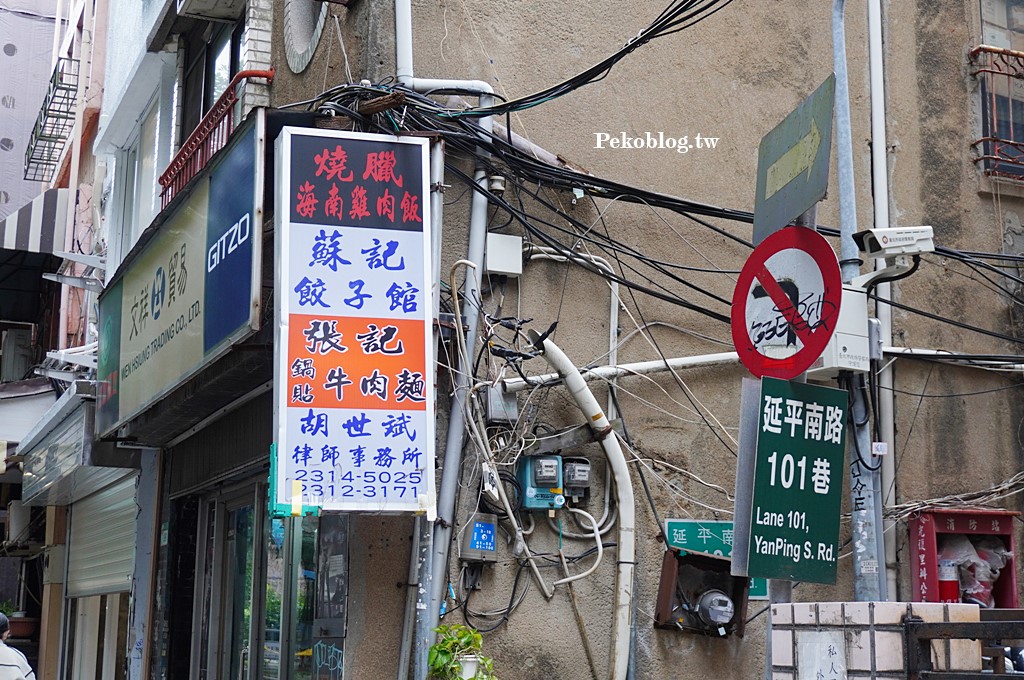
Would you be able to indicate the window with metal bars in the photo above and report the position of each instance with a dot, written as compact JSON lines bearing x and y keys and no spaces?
{"x":998,"y":65}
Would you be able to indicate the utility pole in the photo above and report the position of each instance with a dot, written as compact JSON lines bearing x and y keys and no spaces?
{"x":869,"y":580}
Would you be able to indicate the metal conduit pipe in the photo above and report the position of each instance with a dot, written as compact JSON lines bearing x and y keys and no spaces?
{"x":983,"y":364}
{"x":434,"y":572}
{"x":880,"y":186}
{"x":626,"y":535}
{"x":638,"y":368}
{"x":416,"y":625}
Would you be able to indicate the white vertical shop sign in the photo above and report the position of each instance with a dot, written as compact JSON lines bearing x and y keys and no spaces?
{"x":354,"y":401}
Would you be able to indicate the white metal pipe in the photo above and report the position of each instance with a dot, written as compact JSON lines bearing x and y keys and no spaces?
{"x":638,"y":368}
{"x":534,"y":252}
{"x":435,"y":570}
{"x":409,"y":618}
{"x":597,"y":540}
{"x":984,"y":364}
{"x":880,"y":185}
{"x":626,"y":535}
{"x":436,"y":220}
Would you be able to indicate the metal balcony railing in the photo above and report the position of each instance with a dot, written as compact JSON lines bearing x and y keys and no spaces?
{"x":54,"y":123}
{"x":1000,"y":73}
{"x":210,"y":136}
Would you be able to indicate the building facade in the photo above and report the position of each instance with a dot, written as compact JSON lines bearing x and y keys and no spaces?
{"x":606,"y":219}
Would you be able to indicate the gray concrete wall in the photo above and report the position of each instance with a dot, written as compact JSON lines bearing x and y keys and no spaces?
{"x":733,"y":77}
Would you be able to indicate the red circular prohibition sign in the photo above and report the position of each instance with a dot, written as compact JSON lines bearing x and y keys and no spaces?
{"x":814,"y":335}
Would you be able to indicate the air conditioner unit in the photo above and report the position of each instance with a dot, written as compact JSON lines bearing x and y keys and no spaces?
{"x":212,"y":10}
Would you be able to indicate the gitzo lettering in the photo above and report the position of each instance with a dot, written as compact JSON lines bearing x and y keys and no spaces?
{"x":236,"y":235}
{"x":653,"y":140}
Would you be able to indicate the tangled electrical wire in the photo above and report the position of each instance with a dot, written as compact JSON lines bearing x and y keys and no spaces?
{"x":983,"y":499}
{"x":678,"y":16}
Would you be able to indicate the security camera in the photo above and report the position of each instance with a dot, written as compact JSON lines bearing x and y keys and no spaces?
{"x":895,"y":241}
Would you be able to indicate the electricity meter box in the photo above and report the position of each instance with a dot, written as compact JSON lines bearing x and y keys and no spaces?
{"x":976,"y":548}
{"x":576,"y":479}
{"x":478,"y":540}
{"x":697,"y":594}
{"x":540,"y":478}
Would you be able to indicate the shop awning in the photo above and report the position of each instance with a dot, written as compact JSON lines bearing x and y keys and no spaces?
{"x":61,"y":460}
{"x":38,"y":226}
{"x":30,"y":239}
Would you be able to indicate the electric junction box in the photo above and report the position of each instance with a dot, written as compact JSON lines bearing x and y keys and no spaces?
{"x":478,"y":540}
{"x":540,"y":478}
{"x":849,"y":348}
{"x":576,"y":478}
{"x":504,"y":255}
{"x":502,"y":407}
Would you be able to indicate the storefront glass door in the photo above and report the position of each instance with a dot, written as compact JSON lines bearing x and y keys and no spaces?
{"x":224,"y":603}
{"x":238,"y":579}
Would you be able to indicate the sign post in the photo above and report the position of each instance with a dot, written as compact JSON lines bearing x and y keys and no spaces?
{"x":798,"y":482}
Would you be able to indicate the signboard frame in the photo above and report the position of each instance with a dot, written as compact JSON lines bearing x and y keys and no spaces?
{"x":785,"y":543}
{"x":112,"y":304}
{"x":289,"y":495}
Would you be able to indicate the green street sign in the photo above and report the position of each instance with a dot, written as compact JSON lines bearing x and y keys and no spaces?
{"x":792,"y":162}
{"x":713,"y":537}
{"x":798,"y":479}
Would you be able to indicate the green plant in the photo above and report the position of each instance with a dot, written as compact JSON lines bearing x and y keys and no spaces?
{"x":7,"y":607}
{"x":455,"y":641}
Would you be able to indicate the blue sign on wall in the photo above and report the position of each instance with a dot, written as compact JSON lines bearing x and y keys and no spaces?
{"x":231,"y":229}
{"x":483,"y":536}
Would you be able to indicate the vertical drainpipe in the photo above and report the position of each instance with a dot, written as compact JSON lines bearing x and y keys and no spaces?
{"x":880,"y":181}
{"x":433,"y":573}
{"x":416,"y":627}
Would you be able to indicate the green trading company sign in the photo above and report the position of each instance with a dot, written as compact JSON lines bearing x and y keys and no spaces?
{"x":188,"y":293}
{"x":713,"y":537}
{"x":798,"y":476}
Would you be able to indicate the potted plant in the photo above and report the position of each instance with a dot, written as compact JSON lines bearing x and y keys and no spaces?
{"x":21,"y":626}
{"x":456,"y":655}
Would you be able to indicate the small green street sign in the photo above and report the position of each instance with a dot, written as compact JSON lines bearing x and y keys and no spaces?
{"x":798,"y":482}
{"x":792,"y":162}
{"x":713,"y":537}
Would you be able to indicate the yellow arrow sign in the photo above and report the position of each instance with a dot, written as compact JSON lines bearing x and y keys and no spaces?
{"x":793,"y":163}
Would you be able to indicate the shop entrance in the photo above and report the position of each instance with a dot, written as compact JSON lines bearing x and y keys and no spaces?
{"x":226,"y":569}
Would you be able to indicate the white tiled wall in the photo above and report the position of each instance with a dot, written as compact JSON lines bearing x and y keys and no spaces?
{"x":873,"y":635}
